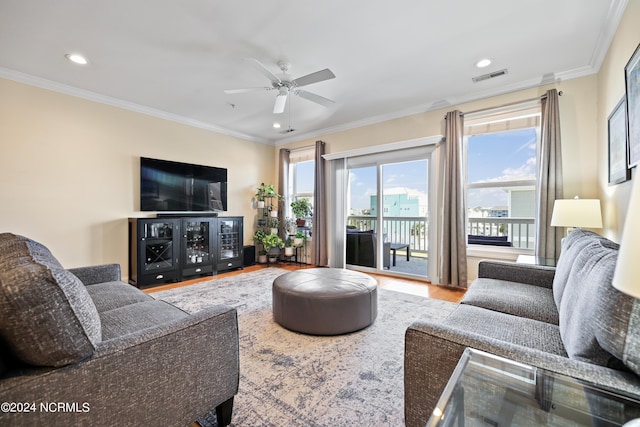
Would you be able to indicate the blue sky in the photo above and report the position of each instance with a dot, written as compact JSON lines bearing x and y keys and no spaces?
{"x":491,"y":157}
{"x":412,"y":175}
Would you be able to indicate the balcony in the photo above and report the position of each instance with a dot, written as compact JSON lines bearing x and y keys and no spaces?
{"x":414,"y":232}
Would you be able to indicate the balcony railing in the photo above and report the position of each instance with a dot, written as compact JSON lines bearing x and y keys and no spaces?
{"x":410,"y":230}
{"x":414,"y":230}
{"x":519,"y":231}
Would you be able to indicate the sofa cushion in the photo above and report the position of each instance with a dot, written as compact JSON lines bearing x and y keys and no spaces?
{"x":572,"y":245}
{"x":110,"y":295}
{"x":506,"y":327}
{"x":48,"y":318}
{"x":137,"y":317}
{"x":594,"y":317}
{"x":519,"y":299}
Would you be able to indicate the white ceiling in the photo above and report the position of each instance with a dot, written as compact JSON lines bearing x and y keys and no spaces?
{"x":174,"y":59}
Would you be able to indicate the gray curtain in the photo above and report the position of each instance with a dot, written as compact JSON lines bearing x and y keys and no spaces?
{"x":453,"y":266}
{"x":320,"y":256}
{"x":548,"y":238}
{"x":283,"y":189}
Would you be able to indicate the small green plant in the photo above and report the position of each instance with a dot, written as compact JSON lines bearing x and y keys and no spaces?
{"x":267,"y":190}
{"x":301,"y":235}
{"x":274,"y":223}
{"x":272,"y":241}
{"x":259,"y":236}
{"x":301,"y":208}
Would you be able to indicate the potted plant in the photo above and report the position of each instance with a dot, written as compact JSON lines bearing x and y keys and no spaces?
{"x":301,"y":209}
{"x":274,"y":224}
{"x":261,"y":193}
{"x":299,"y":238}
{"x":290,"y":225}
{"x":288,"y":249}
{"x":272,"y":245}
{"x":258,"y":237}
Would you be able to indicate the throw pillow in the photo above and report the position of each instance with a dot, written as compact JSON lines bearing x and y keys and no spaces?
{"x":49,"y":318}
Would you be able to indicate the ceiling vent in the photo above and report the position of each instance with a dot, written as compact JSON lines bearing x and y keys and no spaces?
{"x":489,"y":76}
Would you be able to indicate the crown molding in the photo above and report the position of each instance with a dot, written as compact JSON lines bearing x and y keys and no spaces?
{"x":614,"y":16}
{"x":126,"y":105}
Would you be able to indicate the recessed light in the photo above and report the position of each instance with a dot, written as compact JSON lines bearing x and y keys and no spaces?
{"x":276,"y":125}
{"x":485,"y":62}
{"x":76,"y":58}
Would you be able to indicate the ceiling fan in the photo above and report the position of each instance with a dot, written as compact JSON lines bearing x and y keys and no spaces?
{"x":285,"y":85}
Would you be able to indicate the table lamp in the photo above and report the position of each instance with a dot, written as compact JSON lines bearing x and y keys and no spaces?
{"x":627,"y":274}
{"x":576,"y":213}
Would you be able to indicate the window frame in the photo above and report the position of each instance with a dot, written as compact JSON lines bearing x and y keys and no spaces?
{"x":522,"y":116}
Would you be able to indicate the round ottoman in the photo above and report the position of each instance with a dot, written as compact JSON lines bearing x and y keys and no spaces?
{"x":325,"y":301}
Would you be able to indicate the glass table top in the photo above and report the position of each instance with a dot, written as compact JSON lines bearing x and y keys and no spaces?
{"x":487,"y":390}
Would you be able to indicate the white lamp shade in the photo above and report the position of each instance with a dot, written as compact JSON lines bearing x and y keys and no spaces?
{"x":578,"y":213}
{"x":627,"y":275}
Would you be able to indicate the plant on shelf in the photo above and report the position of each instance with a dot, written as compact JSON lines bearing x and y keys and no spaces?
{"x":290,"y":225}
{"x":259,"y":236}
{"x":265,"y":191}
{"x":288,"y":247}
{"x":299,"y":238}
{"x":274,"y":223}
{"x":272,"y":241}
{"x":301,"y":209}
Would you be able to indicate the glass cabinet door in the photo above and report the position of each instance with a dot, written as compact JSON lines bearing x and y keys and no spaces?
{"x":197,"y":242}
{"x":228,"y":238}
{"x":157,"y":240}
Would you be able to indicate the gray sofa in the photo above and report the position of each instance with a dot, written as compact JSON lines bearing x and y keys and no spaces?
{"x":567,"y":319}
{"x":83,"y":348}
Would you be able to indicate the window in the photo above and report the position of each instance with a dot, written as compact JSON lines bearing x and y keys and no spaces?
{"x":501,"y":176}
{"x":301,"y":177}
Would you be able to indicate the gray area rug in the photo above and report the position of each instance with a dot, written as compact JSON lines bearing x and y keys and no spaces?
{"x":292,"y":379}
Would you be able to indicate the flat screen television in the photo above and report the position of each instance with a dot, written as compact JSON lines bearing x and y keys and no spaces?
{"x":167,"y":186}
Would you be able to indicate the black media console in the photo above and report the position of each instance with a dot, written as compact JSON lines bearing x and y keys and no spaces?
{"x":174,"y":248}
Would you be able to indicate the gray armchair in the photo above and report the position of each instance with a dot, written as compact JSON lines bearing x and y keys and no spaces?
{"x":109,"y":352}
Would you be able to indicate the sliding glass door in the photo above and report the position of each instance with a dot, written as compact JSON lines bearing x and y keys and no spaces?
{"x":388,"y":205}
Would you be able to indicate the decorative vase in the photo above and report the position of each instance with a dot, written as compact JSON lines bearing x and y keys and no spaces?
{"x":260,"y":204}
{"x":301,"y":222}
{"x":274,"y":214}
{"x":288,"y":251}
{"x":298,"y":241}
{"x":262,"y":259}
{"x":262,"y":222}
{"x":274,"y":231}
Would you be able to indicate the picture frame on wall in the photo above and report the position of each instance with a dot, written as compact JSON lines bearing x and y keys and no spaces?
{"x":617,"y":131}
{"x":632,"y":86}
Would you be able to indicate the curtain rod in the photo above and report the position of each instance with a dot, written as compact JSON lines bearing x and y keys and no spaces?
{"x":293,"y":150}
{"x":508,"y":104}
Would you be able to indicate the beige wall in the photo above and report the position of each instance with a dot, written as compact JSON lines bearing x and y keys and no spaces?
{"x":611,"y":88}
{"x":70,"y":171}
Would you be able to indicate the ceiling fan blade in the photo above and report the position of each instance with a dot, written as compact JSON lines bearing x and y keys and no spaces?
{"x":281,"y":101}
{"x":325,"y":102}
{"x":264,"y":70}
{"x":316,"y":77}
{"x":248,"y":89}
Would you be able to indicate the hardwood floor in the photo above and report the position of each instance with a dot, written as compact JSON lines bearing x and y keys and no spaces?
{"x":409,"y":286}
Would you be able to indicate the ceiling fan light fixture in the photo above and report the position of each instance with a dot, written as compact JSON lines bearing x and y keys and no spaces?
{"x":281,"y":101}
{"x":484,"y":62}
{"x":276,"y":125}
